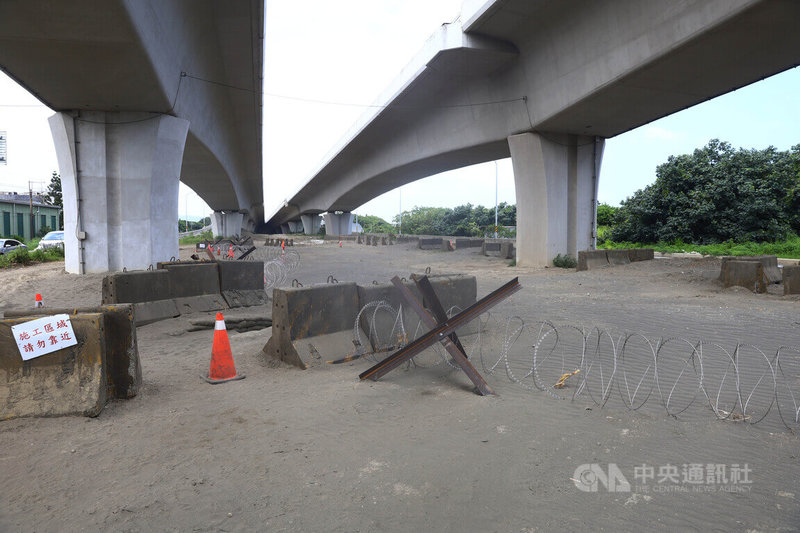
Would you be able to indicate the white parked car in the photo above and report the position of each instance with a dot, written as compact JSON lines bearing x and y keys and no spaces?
{"x":52,"y":240}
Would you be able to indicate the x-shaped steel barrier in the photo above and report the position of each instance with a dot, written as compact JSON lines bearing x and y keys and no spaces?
{"x":443,"y":329}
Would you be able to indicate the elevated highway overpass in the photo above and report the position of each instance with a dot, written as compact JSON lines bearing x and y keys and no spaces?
{"x":545,"y":82}
{"x":146,"y":93}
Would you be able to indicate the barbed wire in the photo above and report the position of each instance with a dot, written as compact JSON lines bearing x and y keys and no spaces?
{"x":739,"y":382}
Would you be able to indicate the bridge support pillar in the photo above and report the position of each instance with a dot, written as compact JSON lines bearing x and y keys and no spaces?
{"x":295,"y":226}
{"x":555,"y":177}
{"x":341,"y":224}
{"x":227,"y":223}
{"x":119,"y":176}
{"x":311,"y":224}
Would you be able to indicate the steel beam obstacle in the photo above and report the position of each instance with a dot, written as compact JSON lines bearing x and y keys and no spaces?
{"x":443,"y":329}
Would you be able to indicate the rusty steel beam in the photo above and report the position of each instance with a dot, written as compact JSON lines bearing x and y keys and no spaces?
{"x":440,"y":332}
{"x":426,"y":289}
{"x":451,"y":342}
{"x":248,"y":252}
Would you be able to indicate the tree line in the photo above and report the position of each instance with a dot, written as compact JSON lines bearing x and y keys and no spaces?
{"x":464,"y":220}
{"x":716,"y":194}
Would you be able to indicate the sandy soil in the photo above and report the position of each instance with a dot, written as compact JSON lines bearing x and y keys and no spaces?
{"x":317,"y":450}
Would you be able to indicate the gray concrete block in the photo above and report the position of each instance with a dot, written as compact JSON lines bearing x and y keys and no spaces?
{"x":468,"y":243}
{"x":640,"y":254}
{"x":433,"y":243}
{"x":791,"y":279}
{"x":202,"y":303}
{"x":148,"y":312}
{"x":490,"y":248}
{"x":618,"y":257}
{"x":187,"y":280}
{"x":72,"y":381}
{"x":591,"y":259}
{"x":121,"y":347}
{"x":135,"y":287}
{"x":769,"y":262}
{"x":748,"y":274}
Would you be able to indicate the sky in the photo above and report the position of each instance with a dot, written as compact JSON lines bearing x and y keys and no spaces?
{"x":325,"y":61}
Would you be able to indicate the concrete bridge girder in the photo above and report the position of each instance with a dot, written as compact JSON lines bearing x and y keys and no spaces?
{"x":590,"y":70}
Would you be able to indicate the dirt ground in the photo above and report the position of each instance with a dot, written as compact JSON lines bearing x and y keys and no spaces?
{"x":318,"y":450}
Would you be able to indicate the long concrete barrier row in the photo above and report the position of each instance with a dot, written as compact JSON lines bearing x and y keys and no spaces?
{"x":317,"y":323}
{"x":79,"y":379}
{"x":591,"y":259}
{"x":180,"y":288}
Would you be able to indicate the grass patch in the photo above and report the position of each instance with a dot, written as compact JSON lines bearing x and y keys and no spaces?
{"x":23,"y":257}
{"x":194,"y":239}
{"x":564,"y":261}
{"x":788,"y":249}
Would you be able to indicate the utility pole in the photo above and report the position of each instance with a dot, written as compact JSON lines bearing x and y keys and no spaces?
{"x":400,"y":216}
{"x":30,"y":209}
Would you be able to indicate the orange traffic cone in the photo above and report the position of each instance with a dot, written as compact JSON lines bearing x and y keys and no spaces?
{"x":222,"y":367}
{"x":340,"y":244}
{"x":230,"y":252}
{"x":218,"y":248}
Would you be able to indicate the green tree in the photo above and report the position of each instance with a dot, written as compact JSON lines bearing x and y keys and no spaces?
{"x":373,"y":224}
{"x":714,"y":195}
{"x":606,"y":214}
{"x":55,"y":196}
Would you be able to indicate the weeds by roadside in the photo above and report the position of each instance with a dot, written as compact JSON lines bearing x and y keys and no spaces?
{"x":205,"y":236}
{"x":22,"y":257}
{"x":789,"y":249}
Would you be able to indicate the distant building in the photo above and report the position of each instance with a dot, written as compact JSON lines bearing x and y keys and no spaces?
{"x":15,"y":214}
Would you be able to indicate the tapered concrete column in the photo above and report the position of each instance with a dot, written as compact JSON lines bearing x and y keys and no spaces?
{"x":338,"y":224}
{"x":120,"y":188}
{"x":285,"y":229}
{"x":311,"y":224}
{"x":555,"y":177}
{"x":227,"y":224}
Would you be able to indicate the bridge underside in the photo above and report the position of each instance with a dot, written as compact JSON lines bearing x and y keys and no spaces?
{"x":544,"y":81}
{"x":124,"y":88}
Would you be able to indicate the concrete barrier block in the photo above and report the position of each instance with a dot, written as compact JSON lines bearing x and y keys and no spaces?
{"x":453,"y":290}
{"x":241,"y":275}
{"x":640,"y":254}
{"x":124,"y":375}
{"x":197,"y":279}
{"x":303,"y":312}
{"x":618,"y":257}
{"x":490,"y":248}
{"x":769,"y":262}
{"x":135,"y":287}
{"x":590,"y":259}
{"x":149,"y":312}
{"x":200,"y":304}
{"x":468,"y":243}
{"x":71,"y":381}
{"x":791,"y":279}
{"x":507,"y":250}
{"x":748,"y":274}
{"x":430,"y":243}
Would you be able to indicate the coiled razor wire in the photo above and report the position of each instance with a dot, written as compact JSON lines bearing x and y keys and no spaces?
{"x":740,"y":383}
{"x":279,"y":264}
